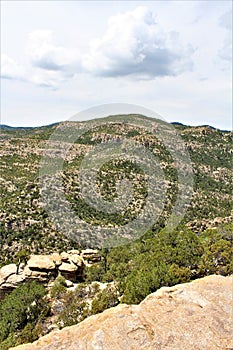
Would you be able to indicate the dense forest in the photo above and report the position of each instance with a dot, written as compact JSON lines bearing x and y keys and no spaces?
{"x":200,"y":245}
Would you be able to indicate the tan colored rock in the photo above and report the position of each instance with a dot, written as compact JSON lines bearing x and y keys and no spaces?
{"x":69,"y":271}
{"x":72,"y":257}
{"x":87,"y":252}
{"x":42,"y":268}
{"x":56,"y":259}
{"x":76,"y":259}
{"x":40,"y":276}
{"x":14,"y":280}
{"x":91,"y":255}
{"x":192,"y":316}
{"x":67,"y":267}
{"x":9,"y":279}
{"x":6,"y":271}
{"x":73,"y":251}
{"x":65,"y":256}
{"x":69,"y":284}
{"x":41,"y":262}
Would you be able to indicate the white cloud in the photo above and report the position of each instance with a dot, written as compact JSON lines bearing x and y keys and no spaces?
{"x":10,"y":69}
{"x":46,"y":55}
{"x":187,"y":98}
{"x":49,"y":65}
{"x":134,"y":44}
{"x":47,"y":78}
{"x":225,"y":21}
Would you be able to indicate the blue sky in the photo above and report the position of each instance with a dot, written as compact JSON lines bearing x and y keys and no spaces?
{"x":60,"y":57}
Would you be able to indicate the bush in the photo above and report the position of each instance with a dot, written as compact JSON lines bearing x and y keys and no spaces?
{"x":218,"y":252}
{"x":59,"y":287}
{"x":20,"y":310}
{"x":75,"y":309}
{"x":94,"y":273}
{"x":104,"y":300}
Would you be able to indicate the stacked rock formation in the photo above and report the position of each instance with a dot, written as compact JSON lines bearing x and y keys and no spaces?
{"x":45,"y":268}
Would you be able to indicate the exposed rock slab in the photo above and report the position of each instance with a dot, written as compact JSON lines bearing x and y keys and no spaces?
{"x":65,"y":267}
{"x":192,"y":316}
{"x":7,"y":271}
{"x":9,"y":279}
{"x":41,"y":262}
{"x":37,"y":275}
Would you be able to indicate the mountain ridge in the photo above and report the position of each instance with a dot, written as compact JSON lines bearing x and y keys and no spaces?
{"x":175,"y":123}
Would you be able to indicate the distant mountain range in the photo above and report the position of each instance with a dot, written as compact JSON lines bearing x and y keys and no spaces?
{"x":8,"y":127}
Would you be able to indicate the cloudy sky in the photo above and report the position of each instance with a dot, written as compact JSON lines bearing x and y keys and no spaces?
{"x":60,"y":57}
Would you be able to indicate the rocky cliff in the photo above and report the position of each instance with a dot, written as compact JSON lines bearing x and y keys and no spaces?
{"x":45,"y":268}
{"x":196,"y":315}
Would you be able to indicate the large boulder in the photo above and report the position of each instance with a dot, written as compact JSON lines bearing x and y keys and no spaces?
{"x":14,"y":280}
{"x":7,"y":271}
{"x":41,"y":268}
{"x":76,"y":259}
{"x":72,"y":257}
{"x":57,"y":260}
{"x":72,"y":265}
{"x":64,"y":256}
{"x":69,"y":271}
{"x":66,"y":267}
{"x":41,"y":262}
{"x":192,"y":316}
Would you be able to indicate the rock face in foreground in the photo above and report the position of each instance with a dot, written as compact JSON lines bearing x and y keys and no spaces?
{"x":196,"y":315}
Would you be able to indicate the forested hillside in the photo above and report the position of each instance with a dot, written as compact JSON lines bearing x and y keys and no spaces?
{"x":25,"y":223}
{"x":201,"y":245}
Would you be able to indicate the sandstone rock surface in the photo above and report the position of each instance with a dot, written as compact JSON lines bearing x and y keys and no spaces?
{"x":192,"y":316}
{"x":9,"y":279}
{"x":45,"y":268}
{"x":41,"y":262}
{"x":7,"y":270}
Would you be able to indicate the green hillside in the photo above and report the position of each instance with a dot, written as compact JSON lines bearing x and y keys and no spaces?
{"x":25,"y":223}
{"x":200,"y":245}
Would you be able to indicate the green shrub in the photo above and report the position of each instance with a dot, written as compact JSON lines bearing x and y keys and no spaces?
{"x":59,"y":287}
{"x":75,"y":309}
{"x":20,"y":310}
{"x":218,"y":252}
{"x":104,"y":300}
{"x":94,"y":273}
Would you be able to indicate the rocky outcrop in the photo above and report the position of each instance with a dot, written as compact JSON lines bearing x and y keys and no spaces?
{"x":90,"y":255}
{"x":192,"y":316}
{"x":41,"y":262}
{"x":9,"y":279}
{"x":45,"y":268}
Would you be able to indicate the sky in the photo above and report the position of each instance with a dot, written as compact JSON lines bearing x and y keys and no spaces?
{"x":61,"y":57}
